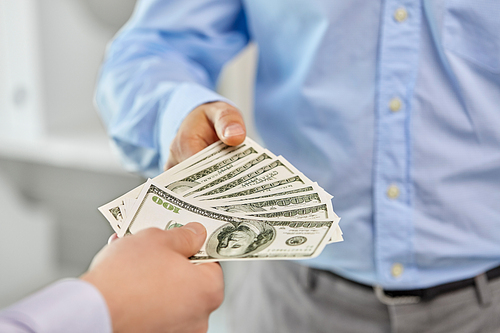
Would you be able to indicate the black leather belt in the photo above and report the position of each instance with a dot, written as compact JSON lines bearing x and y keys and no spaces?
{"x":432,"y":292}
{"x":428,"y":294}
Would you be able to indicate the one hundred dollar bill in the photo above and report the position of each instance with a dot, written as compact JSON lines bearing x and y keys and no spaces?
{"x":278,"y":168}
{"x":285,"y":184}
{"x":281,"y":207}
{"x":240,"y":169}
{"x":230,"y":237}
{"x":115,"y":211}
{"x":270,"y":204}
{"x":189,"y":181}
{"x":222,"y":186}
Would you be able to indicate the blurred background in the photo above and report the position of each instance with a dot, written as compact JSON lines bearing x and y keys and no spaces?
{"x":56,"y":164}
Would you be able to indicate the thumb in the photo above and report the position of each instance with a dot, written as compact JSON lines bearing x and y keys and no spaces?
{"x":186,"y":240}
{"x":228,"y":123}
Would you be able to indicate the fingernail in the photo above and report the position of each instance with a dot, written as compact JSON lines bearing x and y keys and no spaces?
{"x":233,"y":130}
{"x":112,"y":238}
{"x":196,"y":228}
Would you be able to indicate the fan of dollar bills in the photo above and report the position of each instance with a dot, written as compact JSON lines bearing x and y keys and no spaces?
{"x":254,"y":205}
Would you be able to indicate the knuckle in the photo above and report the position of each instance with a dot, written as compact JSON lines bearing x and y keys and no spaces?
{"x":174,"y":148}
{"x":227,"y":113}
{"x":183,"y":137}
{"x":190,"y":144}
{"x":216,"y":106}
{"x":152,"y":233}
{"x":185,"y":239}
{"x":203,"y":326}
{"x":214,"y":291}
{"x":216,"y":299}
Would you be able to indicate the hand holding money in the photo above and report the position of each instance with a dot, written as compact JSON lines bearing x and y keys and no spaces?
{"x":254,"y":205}
{"x":149,"y":284}
{"x":203,"y":126}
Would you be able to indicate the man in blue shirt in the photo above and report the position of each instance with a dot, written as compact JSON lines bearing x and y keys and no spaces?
{"x":391,"y":106}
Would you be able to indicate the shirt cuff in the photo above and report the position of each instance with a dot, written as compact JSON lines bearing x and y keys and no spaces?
{"x":186,"y":97}
{"x":69,"y":305}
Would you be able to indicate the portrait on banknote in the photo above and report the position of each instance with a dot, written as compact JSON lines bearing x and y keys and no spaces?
{"x":237,"y":240}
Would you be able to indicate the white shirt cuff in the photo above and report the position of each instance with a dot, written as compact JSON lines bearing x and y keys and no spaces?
{"x":69,"y":305}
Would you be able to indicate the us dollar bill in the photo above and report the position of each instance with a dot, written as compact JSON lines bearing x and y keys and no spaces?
{"x":280,"y":208}
{"x":270,"y":204}
{"x":231,"y":174}
{"x":115,"y":211}
{"x":210,"y":155}
{"x":242,"y":182}
{"x":277,"y":185}
{"x":231,"y":237}
{"x":308,"y":212}
{"x":260,"y":196}
{"x":278,"y":168}
{"x":188,"y":182}
{"x":206,"y":156}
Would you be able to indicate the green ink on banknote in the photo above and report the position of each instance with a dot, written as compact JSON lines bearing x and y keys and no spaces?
{"x":166,"y":205}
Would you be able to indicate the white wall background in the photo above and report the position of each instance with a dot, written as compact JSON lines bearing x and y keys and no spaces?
{"x":56,"y":166}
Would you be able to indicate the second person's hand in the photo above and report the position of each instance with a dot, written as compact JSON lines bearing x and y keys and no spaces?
{"x":150,"y":285}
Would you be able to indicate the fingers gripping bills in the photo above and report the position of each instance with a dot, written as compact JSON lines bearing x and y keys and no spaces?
{"x":254,"y":205}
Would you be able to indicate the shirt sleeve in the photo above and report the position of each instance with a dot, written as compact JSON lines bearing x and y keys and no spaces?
{"x":70,"y":305}
{"x":164,"y":63}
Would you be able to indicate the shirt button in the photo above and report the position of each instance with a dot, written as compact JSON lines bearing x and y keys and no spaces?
{"x":397,"y":269}
{"x":393,"y":192}
{"x":395,"y":104}
{"x":400,"y":15}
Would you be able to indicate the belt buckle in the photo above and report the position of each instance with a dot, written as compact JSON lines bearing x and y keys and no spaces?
{"x":399,"y":300}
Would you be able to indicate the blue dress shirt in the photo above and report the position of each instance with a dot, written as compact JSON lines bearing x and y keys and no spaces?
{"x":392,"y":106}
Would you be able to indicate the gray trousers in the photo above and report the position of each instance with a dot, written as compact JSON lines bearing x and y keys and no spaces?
{"x":284,"y":297}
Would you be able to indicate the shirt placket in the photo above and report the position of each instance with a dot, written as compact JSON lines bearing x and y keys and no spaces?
{"x":397,"y":68}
